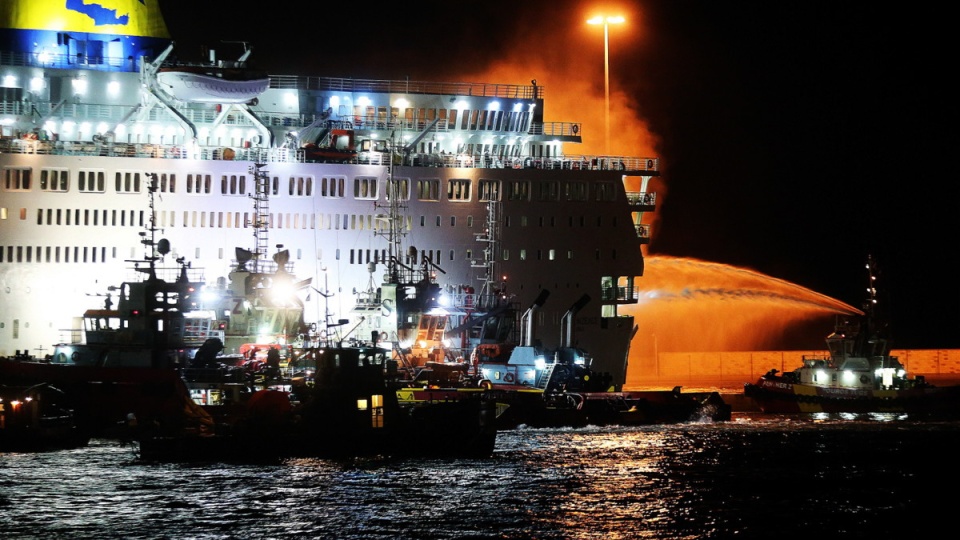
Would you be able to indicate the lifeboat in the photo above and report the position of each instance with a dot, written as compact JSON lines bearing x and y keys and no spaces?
{"x":211,"y":84}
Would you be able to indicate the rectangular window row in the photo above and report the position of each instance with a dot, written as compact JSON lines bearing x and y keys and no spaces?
{"x":18,"y":179}
{"x":55,"y":254}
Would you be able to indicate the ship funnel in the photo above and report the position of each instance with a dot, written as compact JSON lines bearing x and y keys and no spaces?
{"x":527,"y":328}
{"x":566,"y":324}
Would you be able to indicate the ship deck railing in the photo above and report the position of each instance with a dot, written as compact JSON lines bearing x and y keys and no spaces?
{"x":284,"y":82}
{"x":467,"y":89}
{"x":286,"y":155}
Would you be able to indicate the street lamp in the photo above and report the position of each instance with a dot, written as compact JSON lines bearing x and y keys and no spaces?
{"x":606,"y":22}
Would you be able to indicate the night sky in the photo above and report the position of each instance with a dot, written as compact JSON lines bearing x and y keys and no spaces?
{"x":796,"y":138}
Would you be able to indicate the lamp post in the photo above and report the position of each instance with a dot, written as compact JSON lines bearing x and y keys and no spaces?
{"x":606,"y":22}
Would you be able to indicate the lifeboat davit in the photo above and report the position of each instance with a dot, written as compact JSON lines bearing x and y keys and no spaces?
{"x":212,"y":85}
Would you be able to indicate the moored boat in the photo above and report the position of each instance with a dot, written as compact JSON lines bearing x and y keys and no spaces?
{"x":858,"y":375}
{"x":348,"y":407}
{"x":38,"y":418}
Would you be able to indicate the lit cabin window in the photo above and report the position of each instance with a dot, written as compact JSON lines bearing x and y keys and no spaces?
{"x":399,"y":188}
{"x":458,"y":189}
{"x":428,"y":189}
{"x":489,"y":190}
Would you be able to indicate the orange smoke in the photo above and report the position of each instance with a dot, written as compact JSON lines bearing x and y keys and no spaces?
{"x":566,"y":57}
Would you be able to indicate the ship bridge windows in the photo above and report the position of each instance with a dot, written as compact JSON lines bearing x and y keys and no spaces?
{"x":489,"y":190}
{"x":91,"y":180}
{"x":458,"y":189}
{"x":57,"y":180}
{"x":428,"y":189}
{"x":300,"y":186}
{"x":332,"y":187}
{"x":127,"y":182}
{"x":365,"y":188}
{"x":17,"y":178}
{"x":233,"y":184}
{"x":198,"y":183}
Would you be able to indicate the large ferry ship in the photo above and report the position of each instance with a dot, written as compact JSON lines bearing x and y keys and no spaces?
{"x":466,"y":180}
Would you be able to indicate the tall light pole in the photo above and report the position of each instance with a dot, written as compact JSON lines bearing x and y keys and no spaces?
{"x":606,"y":22}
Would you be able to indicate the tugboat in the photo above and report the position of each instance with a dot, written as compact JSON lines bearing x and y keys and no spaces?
{"x":132,"y":354}
{"x":857,"y":376}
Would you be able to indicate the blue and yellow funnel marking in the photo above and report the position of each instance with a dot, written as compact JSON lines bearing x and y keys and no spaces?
{"x":135,"y":18}
{"x":93,"y":29}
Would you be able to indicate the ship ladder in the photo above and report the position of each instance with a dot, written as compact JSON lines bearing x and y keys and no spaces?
{"x":545,"y":376}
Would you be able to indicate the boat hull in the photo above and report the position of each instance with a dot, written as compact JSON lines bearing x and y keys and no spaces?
{"x":776,"y":396}
{"x":531,"y":408}
{"x":104,"y":398}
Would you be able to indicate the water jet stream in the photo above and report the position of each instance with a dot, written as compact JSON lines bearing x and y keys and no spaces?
{"x":691,"y":305}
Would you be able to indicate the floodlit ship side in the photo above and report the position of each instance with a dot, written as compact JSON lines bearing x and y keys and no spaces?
{"x":486,"y":189}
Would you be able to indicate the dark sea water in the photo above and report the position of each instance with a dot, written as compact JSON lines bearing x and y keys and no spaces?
{"x":757,"y":476}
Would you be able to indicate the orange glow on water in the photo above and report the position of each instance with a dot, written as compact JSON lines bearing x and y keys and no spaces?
{"x":692,"y":305}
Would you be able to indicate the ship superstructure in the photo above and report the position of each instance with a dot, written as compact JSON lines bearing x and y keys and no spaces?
{"x":479,"y":184}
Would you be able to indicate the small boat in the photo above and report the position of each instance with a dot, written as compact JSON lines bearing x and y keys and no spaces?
{"x":858,"y":375}
{"x":133,"y":352}
{"x":38,"y":419}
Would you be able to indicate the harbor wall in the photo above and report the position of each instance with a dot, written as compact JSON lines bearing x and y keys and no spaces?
{"x":732,"y":369}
